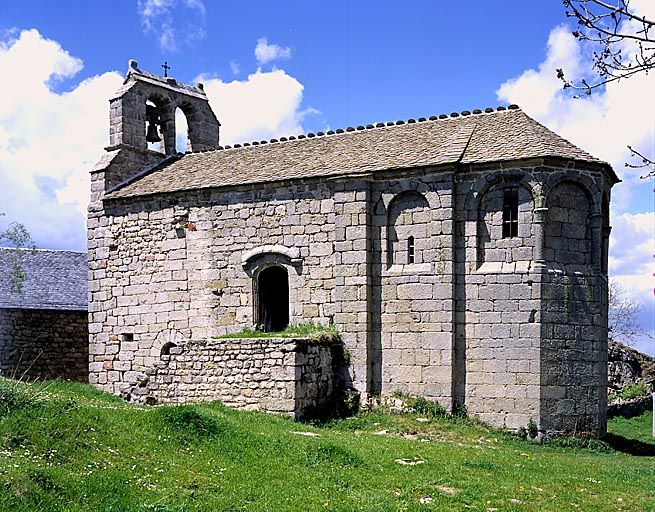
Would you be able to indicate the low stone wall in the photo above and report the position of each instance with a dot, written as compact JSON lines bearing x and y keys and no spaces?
{"x":630,"y":408}
{"x":298,"y":377}
{"x":44,"y":344}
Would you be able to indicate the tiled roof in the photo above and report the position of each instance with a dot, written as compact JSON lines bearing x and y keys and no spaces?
{"x":54,"y":280}
{"x":466,"y":138}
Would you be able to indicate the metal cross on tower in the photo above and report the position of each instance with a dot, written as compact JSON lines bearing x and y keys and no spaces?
{"x":166,"y":68}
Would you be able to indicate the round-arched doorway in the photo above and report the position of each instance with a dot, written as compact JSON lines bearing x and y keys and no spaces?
{"x":273,"y":299}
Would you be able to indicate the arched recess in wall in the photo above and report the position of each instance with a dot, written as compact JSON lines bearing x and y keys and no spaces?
{"x":505,"y":231}
{"x":408,"y":229}
{"x":272,"y":293}
{"x":567,"y":238}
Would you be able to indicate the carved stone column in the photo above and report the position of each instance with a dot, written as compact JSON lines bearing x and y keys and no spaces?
{"x":539,"y":236}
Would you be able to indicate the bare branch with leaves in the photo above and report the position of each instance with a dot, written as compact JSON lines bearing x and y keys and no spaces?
{"x":625,"y":43}
{"x":622,"y":322}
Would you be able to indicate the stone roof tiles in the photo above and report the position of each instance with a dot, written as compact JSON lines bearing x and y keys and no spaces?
{"x":468,"y":138}
{"x":53,"y":280}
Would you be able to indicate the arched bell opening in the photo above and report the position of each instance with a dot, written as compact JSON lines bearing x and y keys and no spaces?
{"x":182,"y":143}
{"x":160,"y":125}
{"x":273,"y":299}
{"x":153,"y":127}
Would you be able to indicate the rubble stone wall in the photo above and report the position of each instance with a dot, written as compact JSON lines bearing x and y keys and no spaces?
{"x":291,"y":376}
{"x":44,"y":344}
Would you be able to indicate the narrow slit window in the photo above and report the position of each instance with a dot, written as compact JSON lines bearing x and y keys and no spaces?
{"x":511,"y":212}
{"x":410,"y":249}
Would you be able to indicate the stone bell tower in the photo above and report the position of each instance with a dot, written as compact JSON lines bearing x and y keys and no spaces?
{"x":143,"y":111}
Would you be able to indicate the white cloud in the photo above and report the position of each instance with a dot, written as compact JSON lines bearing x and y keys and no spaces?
{"x":265,"y":105}
{"x":49,"y":141}
{"x":631,"y":264}
{"x":175,"y":23}
{"x":265,"y":53}
{"x":603,"y":123}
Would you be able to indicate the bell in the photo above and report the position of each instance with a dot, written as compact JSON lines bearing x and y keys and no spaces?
{"x":152,"y":135}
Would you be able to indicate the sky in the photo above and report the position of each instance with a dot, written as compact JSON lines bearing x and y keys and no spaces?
{"x":274,"y":69}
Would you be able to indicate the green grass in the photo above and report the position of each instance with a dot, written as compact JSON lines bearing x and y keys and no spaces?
{"x":311,"y":330}
{"x":68,"y":447}
{"x":639,"y":428}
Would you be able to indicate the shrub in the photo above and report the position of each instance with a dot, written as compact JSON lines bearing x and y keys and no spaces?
{"x":635,"y":391}
{"x":315,"y":331}
{"x":428,"y":407}
{"x":580,"y":443}
{"x":530,"y":431}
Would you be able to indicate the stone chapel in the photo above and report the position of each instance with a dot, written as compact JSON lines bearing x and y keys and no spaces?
{"x":461,"y":257}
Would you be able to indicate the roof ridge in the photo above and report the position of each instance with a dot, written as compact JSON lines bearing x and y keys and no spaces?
{"x":37,"y":249}
{"x":503,"y":135}
{"x":370,"y":126}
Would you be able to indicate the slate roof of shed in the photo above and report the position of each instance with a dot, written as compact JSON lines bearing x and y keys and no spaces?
{"x":54,"y":280}
{"x":467,"y":139}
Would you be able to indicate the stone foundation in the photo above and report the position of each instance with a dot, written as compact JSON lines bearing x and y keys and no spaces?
{"x":297,"y":377}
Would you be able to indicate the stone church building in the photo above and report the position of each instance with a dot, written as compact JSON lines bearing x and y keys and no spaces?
{"x":462,"y":258}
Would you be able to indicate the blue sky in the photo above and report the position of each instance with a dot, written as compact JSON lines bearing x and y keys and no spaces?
{"x":281,"y":68}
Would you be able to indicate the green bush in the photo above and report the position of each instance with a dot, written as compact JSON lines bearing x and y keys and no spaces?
{"x":530,"y":431}
{"x":427,"y":407}
{"x":580,"y":443}
{"x":629,"y":392}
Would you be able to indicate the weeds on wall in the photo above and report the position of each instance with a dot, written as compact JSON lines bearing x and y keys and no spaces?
{"x":312,"y":330}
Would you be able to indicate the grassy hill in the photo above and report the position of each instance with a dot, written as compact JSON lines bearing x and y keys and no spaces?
{"x":68,"y":447}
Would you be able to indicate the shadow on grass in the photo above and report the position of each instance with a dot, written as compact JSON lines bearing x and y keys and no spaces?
{"x":630,"y":446}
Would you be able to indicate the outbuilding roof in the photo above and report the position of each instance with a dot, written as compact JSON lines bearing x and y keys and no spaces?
{"x":53,"y":280}
{"x":468,"y":138}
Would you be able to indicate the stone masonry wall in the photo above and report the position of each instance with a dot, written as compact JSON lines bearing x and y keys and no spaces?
{"x":519,"y":354}
{"x":44,"y":344}
{"x":186,"y":271}
{"x":290,"y":376}
{"x":412,"y":300}
{"x":466,"y":323}
{"x":573,"y":355}
{"x":497,"y":293}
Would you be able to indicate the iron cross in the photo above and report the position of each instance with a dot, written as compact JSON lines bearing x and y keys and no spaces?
{"x":166,"y":68}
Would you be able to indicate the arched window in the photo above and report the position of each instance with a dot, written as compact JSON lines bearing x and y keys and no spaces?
{"x":505,"y":224}
{"x":410,"y":249}
{"x":273,"y":299}
{"x":408,"y":229}
{"x":510,"y":212}
{"x":166,"y":348}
